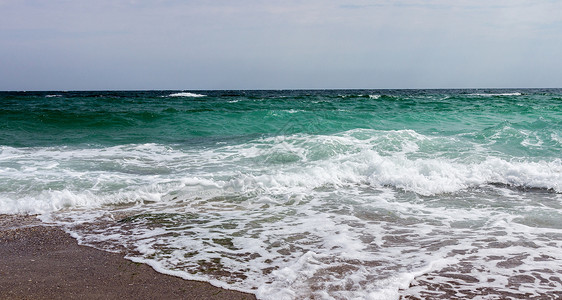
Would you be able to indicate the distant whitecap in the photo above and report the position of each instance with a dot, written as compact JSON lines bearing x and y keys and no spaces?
{"x":185,"y":94}
{"x":496,"y":94}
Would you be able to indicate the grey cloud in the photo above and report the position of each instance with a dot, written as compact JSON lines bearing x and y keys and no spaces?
{"x":278,"y":44}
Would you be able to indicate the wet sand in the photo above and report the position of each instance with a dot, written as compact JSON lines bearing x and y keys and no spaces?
{"x":40,"y":262}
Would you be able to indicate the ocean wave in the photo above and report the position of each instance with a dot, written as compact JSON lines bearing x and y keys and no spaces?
{"x":55,"y":178}
{"x":50,"y":201}
{"x":374,"y":96}
{"x":425,"y":177}
{"x":495,"y":94}
{"x":186,"y":94}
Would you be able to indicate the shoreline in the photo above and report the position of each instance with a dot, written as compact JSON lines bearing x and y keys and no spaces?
{"x":44,"y":262}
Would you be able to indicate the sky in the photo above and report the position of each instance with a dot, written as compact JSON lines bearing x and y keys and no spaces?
{"x":274,"y":44}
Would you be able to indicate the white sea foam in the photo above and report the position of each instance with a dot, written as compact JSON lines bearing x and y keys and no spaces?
{"x":186,"y":94}
{"x":319,"y":248}
{"x":53,"y":96}
{"x":496,"y":94}
{"x":374,"y":96}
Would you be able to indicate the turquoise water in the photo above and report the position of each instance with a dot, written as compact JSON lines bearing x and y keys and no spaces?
{"x":300,"y":194}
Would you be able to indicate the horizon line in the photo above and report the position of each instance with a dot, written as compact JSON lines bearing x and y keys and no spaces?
{"x":271,"y":89}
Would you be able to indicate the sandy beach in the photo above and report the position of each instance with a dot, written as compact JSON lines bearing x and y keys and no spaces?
{"x":40,"y":262}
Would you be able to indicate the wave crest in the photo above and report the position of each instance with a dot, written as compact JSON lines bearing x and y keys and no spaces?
{"x":186,"y":94}
{"x":496,"y":94}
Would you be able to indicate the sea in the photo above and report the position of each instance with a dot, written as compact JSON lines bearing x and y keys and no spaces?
{"x":302,"y":194}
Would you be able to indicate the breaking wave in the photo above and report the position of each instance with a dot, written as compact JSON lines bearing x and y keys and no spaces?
{"x":185,"y":94}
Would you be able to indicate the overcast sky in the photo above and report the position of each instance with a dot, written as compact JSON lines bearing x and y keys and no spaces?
{"x":274,"y":44}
